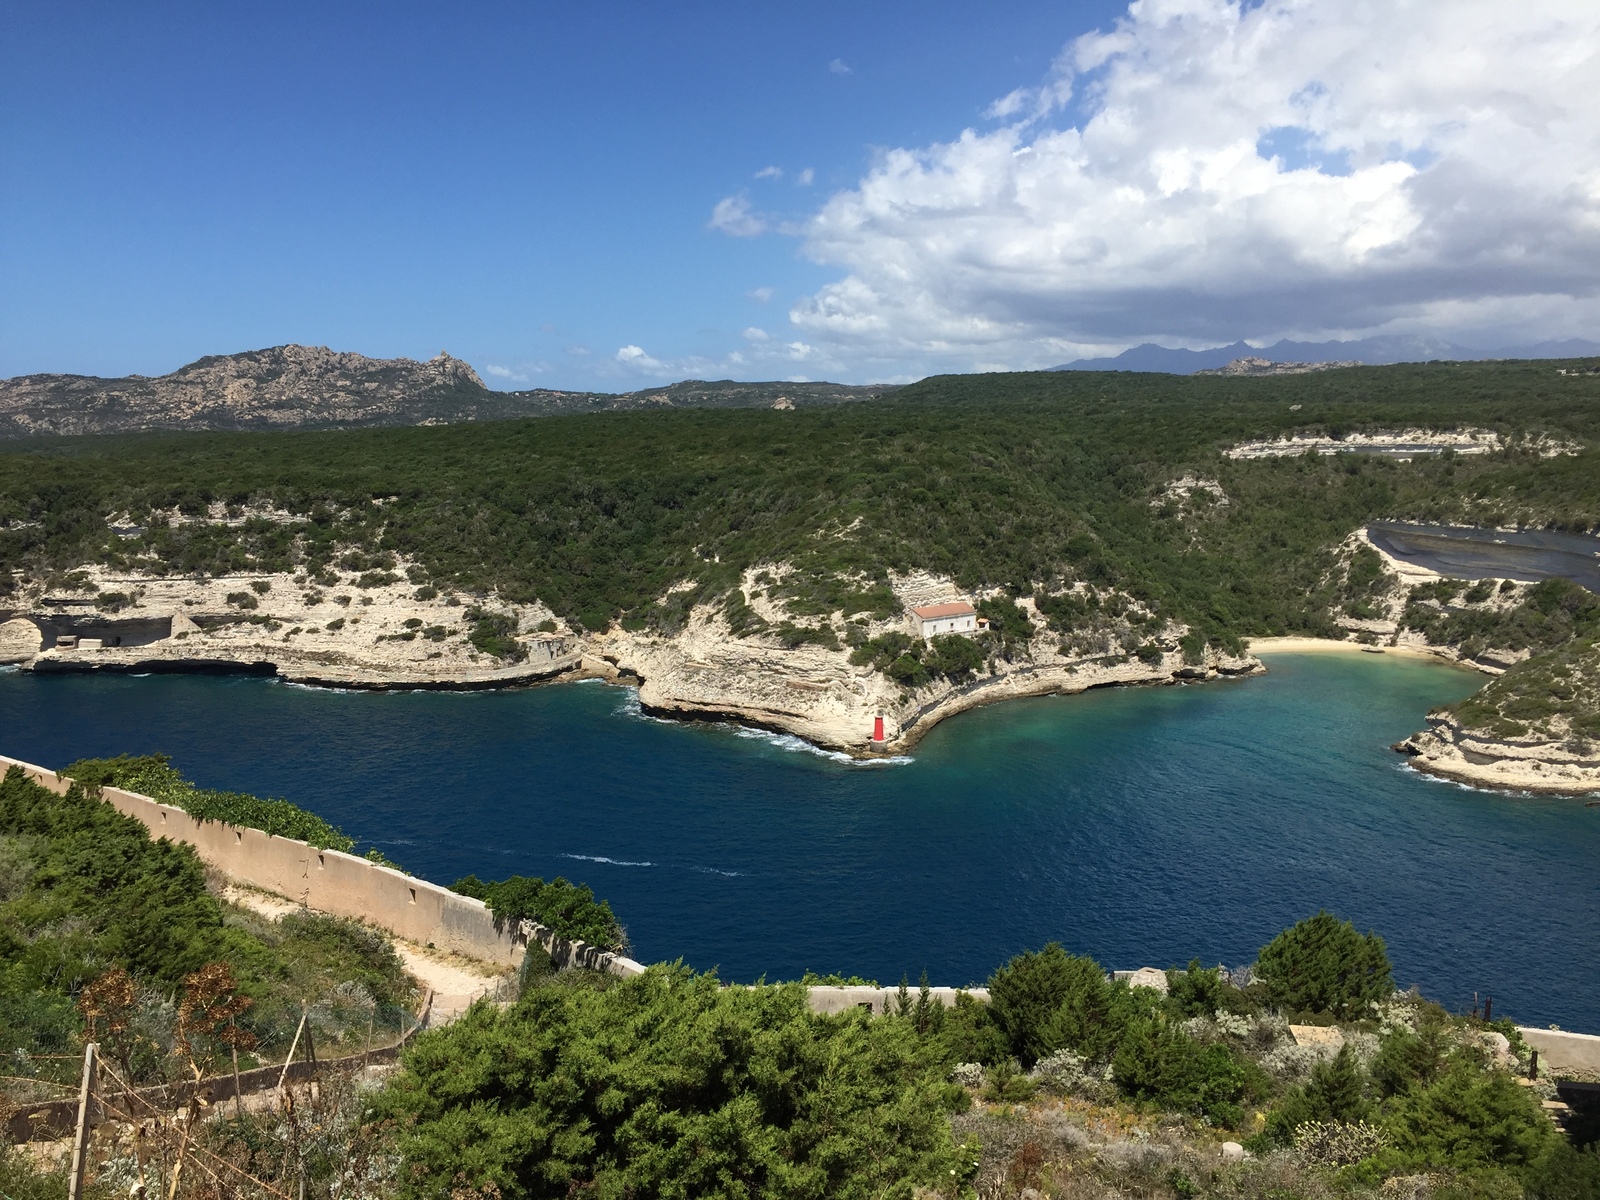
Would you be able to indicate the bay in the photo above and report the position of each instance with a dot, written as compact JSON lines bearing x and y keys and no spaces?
{"x":1144,"y":826}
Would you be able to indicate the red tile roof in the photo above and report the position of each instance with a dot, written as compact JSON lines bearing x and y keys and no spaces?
{"x":930,"y":612}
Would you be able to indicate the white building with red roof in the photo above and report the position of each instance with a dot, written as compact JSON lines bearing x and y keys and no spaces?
{"x":934,"y":620}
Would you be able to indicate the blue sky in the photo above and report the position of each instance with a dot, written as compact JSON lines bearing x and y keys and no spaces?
{"x":604,"y":195}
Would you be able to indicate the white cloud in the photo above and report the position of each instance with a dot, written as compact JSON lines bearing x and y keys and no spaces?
{"x":733,"y":216}
{"x":522,"y":374}
{"x":838,"y":67}
{"x":1289,"y":167}
{"x":762,"y":357}
{"x":634,"y":358}
{"x":760,"y":295}
{"x":806,"y":178}
{"x":769,"y":173}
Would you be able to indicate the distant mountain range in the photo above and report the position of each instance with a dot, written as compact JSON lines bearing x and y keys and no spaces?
{"x":1373,"y":351}
{"x":312,"y":387}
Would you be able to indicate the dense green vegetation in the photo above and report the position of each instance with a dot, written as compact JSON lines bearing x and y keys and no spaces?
{"x":668,"y":1084}
{"x":153,"y":775}
{"x":91,"y":906}
{"x":1554,"y":695}
{"x":1021,"y":481}
{"x":1451,"y":612}
{"x":1323,"y":965}
{"x":568,"y":908}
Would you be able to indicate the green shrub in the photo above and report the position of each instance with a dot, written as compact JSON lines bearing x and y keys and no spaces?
{"x":955,"y":657}
{"x":1336,"y":1092}
{"x":1408,"y":1059}
{"x":495,"y":634}
{"x":1468,"y":1118}
{"x":153,"y":775}
{"x":668,"y":1084}
{"x":1006,"y":1084}
{"x":243,"y":600}
{"x":1563,"y":1172}
{"x":969,"y":1033}
{"x":1198,"y":991}
{"x":568,"y":908}
{"x":1322,"y":965}
{"x":1052,"y":1000}
{"x":1156,"y":1061}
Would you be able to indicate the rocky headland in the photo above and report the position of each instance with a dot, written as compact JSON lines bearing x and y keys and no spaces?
{"x":1535,"y":728}
{"x":312,"y":387}
{"x":366,"y":633}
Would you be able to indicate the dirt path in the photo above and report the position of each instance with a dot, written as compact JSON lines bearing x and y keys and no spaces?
{"x":455,"y":979}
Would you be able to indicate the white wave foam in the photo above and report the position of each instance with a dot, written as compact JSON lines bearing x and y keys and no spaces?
{"x":615,"y":862}
{"x":630,"y":707}
{"x":280,"y":681}
{"x":716,"y":871}
{"x":793,"y":744}
{"x":1462,"y":785}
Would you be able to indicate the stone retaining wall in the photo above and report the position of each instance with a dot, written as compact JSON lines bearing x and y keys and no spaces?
{"x":346,"y":886}
{"x":1563,"y":1051}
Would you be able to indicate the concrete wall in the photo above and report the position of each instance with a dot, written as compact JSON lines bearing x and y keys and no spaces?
{"x":346,"y":886}
{"x":879,"y":999}
{"x":1563,"y":1051}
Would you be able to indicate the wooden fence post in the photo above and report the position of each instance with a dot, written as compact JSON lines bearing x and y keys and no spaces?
{"x":80,"y":1143}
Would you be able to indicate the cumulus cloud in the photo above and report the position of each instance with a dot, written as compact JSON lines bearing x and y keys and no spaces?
{"x":763,"y":357}
{"x":806,"y":178}
{"x":522,"y":374}
{"x":734,"y":217}
{"x":838,"y":67}
{"x":760,"y":295}
{"x":635,"y":359}
{"x":770,"y":173}
{"x":1208,"y":170}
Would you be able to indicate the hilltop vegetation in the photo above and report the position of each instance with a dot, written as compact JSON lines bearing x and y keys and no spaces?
{"x":1017,"y":481}
{"x":1552,"y":697}
{"x":97,"y":921}
{"x":1068,"y":1083}
{"x":153,"y":775}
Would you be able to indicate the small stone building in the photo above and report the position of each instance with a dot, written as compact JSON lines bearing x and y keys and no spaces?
{"x":934,"y":620}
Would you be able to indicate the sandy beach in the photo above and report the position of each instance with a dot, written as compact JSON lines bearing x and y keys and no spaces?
{"x":1310,"y":645}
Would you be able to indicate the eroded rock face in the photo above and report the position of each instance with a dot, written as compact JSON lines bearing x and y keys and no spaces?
{"x":20,"y":640}
{"x":1447,"y":749}
{"x":340,"y":635}
{"x":280,"y":387}
{"x":819,"y":695}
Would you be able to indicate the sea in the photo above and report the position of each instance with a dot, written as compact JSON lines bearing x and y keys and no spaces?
{"x":1143,"y":826}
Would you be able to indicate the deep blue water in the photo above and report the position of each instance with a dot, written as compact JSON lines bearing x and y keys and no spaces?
{"x":1144,"y":826}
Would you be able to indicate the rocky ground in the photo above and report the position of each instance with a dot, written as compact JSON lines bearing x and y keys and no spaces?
{"x":1483,"y":743}
{"x":392,"y":635}
{"x":1536,"y":764}
{"x":292,"y":387}
{"x":397,"y":635}
{"x":818,"y":694}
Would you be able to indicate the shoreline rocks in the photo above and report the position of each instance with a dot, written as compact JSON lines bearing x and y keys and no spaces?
{"x":1450,"y":751}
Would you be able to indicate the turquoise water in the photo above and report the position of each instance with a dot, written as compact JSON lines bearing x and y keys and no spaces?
{"x":1143,"y":826}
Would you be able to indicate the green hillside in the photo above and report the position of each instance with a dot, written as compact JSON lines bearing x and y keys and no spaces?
{"x":1021,"y":480}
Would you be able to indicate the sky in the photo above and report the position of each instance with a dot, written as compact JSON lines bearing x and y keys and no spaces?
{"x":611,"y":195}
